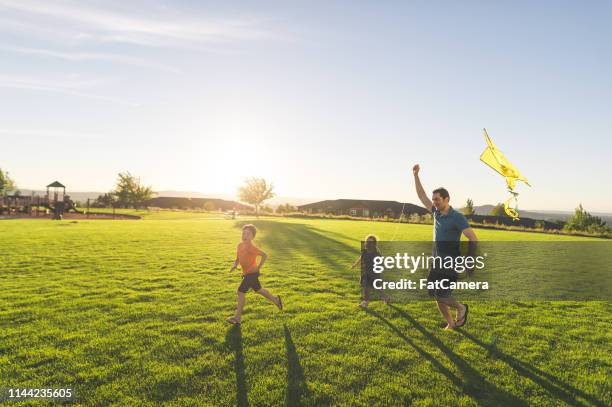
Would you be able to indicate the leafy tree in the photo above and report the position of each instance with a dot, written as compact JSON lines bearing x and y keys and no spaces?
{"x":130,"y":192}
{"x":106,"y":200}
{"x":255,"y":191}
{"x":583,"y":221}
{"x":6,"y":183}
{"x":209,"y":206}
{"x":469,"y":207}
{"x":286,"y":208}
{"x":266,"y":209}
{"x":126,"y":184}
{"x":141,"y":195}
{"x":498,"y":210}
{"x":414,"y":218}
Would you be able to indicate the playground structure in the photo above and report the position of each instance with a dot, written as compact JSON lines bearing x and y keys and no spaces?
{"x":55,"y":203}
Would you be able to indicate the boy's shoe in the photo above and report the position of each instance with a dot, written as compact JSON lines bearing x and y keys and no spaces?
{"x":233,"y":320}
{"x":364,"y":304}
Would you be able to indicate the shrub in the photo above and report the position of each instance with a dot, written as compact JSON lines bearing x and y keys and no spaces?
{"x":415,"y":218}
{"x":583,"y":221}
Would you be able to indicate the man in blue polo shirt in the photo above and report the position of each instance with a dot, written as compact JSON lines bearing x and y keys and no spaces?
{"x":448,"y":227}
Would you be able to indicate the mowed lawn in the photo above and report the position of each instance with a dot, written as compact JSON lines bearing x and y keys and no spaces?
{"x":133,"y":313}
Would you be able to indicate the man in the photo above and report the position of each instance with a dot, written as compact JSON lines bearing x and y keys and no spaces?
{"x":448,"y":227}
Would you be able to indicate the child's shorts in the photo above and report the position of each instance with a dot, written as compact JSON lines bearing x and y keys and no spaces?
{"x":250,"y":281}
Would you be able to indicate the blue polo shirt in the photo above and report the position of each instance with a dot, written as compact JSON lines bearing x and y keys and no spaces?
{"x":447,"y":231}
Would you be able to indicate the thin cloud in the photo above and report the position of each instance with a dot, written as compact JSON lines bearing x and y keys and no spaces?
{"x":88,"y":56}
{"x":46,"y":133}
{"x":78,"y":88}
{"x":87,"y":23}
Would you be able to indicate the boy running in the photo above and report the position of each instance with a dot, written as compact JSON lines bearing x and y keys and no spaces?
{"x":246,"y":256}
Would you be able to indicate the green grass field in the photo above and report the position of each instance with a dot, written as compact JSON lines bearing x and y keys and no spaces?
{"x":133,"y":313}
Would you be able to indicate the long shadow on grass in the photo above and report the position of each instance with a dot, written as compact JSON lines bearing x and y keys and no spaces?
{"x":474,"y":384}
{"x":297,"y":388}
{"x":307,"y":241}
{"x":233,"y":339}
{"x":554,"y":386}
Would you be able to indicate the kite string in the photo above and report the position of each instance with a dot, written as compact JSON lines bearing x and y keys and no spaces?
{"x":398,"y":222}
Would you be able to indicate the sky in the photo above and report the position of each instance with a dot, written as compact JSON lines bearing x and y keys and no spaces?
{"x":326,"y":99}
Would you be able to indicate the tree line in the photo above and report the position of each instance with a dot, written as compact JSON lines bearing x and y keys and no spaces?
{"x":580,"y":221}
{"x":129,"y":192}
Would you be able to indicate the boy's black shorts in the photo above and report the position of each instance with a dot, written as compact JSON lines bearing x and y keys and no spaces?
{"x":250,"y":281}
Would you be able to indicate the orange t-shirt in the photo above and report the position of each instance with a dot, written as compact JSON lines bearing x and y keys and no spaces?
{"x":247,"y":257}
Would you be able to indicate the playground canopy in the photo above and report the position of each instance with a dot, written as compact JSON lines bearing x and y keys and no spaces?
{"x":56,"y":185}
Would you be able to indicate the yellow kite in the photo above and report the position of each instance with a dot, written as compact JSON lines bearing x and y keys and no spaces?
{"x":496,"y":160}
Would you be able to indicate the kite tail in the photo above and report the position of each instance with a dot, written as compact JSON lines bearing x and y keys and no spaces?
{"x":512,"y":212}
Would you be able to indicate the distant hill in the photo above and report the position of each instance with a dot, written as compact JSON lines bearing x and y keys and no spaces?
{"x":196,"y":203}
{"x":83,"y":196}
{"x":274,"y":202}
{"x":362,"y":208}
{"x":551,"y":216}
{"x":190,"y":194}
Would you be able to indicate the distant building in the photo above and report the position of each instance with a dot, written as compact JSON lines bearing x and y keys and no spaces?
{"x":364,"y":208}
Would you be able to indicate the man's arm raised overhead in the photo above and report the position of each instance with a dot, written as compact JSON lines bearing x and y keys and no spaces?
{"x":419,"y":188}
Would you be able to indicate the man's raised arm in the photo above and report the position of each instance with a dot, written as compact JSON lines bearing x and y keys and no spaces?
{"x":419,"y":188}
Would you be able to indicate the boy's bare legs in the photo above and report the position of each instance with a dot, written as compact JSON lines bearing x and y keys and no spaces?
{"x":443,"y":306}
{"x":446,"y":314}
{"x":268,"y":295}
{"x":240,"y":306}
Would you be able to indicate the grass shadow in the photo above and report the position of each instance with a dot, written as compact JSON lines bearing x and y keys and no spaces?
{"x":297,"y":389}
{"x":554,"y":386}
{"x":456,"y":380}
{"x":233,"y":340}
{"x":298,"y":241}
{"x":474,"y":384}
